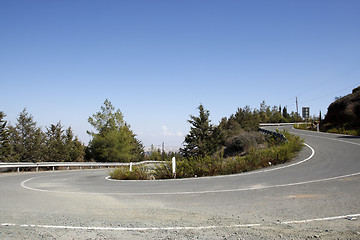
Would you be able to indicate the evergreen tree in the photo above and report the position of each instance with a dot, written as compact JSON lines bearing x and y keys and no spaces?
{"x":26,"y":139}
{"x":74,"y":149}
{"x":62,"y":146}
{"x":4,"y":138}
{"x":203,"y":139}
{"x":55,"y":148}
{"x":285,"y":113}
{"x":113,"y":140}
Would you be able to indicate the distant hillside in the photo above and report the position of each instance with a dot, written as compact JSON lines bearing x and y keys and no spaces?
{"x":344,"y":114}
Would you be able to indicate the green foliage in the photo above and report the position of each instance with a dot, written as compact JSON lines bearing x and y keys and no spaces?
{"x":163,"y":170}
{"x":74,"y":149}
{"x":155,"y":154}
{"x":124,"y":173}
{"x":257,"y":158}
{"x":343,"y":115}
{"x":113,"y":140}
{"x":243,"y":142}
{"x":203,"y":139}
{"x":354,"y":132}
{"x":4,"y":138}
{"x":26,"y":140}
{"x":61,"y":146}
{"x":55,"y":147}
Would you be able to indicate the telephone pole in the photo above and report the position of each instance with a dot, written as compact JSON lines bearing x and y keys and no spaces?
{"x":163,"y":151}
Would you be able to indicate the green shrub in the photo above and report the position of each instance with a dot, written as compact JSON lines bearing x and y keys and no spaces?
{"x":277,"y":152}
{"x":124,"y":173}
{"x":354,"y":132}
{"x":163,"y":171}
{"x":241,"y":143}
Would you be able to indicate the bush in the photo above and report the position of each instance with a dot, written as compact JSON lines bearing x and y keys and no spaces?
{"x":124,"y":173}
{"x":242,"y":143}
{"x":344,"y":131}
{"x":276,"y":153}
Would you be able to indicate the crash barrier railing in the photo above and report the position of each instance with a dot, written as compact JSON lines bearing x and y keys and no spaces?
{"x":67,"y":165}
{"x":277,"y":135}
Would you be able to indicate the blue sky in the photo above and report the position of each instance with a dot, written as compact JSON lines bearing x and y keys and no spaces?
{"x":158,"y":60}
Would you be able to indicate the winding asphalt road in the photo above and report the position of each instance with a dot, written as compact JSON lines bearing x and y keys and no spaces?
{"x":316,"y":195}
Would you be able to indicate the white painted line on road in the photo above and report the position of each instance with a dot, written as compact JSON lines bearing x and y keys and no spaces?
{"x":127,"y":229}
{"x":33,"y":189}
{"x":197,"y":192}
{"x":322,"y":219}
{"x":227,"y":176}
{"x":333,"y":139}
{"x":179,"y":193}
{"x":175,"y":228}
{"x":203,"y":192}
{"x":23,"y":184}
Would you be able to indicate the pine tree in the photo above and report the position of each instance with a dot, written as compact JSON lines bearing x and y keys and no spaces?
{"x":55,"y":149}
{"x":4,"y":138}
{"x":26,"y":139}
{"x":113,"y":140}
{"x":74,"y":149}
{"x":203,"y":138}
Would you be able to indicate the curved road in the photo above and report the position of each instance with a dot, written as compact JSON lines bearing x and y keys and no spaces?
{"x":317,"y":195}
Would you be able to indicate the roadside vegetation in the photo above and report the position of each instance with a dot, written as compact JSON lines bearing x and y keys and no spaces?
{"x":343,"y":116}
{"x":25,"y":142}
{"x":233,"y":146}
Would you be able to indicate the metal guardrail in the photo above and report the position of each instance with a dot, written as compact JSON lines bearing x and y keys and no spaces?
{"x":275,"y":134}
{"x":68,"y":165}
{"x":279,"y":124}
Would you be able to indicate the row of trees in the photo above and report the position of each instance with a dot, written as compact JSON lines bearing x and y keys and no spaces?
{"x":25,"y":142}
{"x":206,"y":139}
{"x":114,"y":141}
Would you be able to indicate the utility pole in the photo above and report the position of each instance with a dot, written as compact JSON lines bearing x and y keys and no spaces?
{"x":163,"y":151}
{"x":297,"y":109}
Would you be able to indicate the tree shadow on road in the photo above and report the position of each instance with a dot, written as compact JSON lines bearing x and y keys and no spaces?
{"x":349,"y":137}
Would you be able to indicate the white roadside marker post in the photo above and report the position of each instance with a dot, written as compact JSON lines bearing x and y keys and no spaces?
{"x":131,"y":166}
{"x":174,"y":166}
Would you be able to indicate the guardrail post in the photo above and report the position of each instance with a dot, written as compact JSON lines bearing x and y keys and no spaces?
{"x":173,"y":161}
{"x":53,"y":168}
{"x":131,"y":164}
{"x":18,"y":169}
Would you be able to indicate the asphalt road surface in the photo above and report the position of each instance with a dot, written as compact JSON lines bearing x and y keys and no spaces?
{"x":317,"y":195}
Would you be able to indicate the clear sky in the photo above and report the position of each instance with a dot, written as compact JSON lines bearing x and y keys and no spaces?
{"x":157,"y":61}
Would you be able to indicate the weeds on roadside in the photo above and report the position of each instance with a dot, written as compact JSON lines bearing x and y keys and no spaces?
{"x":277,"y":152}
{"x":124,"y":173}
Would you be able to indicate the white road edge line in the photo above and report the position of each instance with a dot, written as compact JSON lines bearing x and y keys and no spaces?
{"x":322,"y":219}
{"x":333,"y":139}
{"x":175,"y":228}
{"x":227,"y":176}
{"x":179,"y":193}
{"x":204,"y":192}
